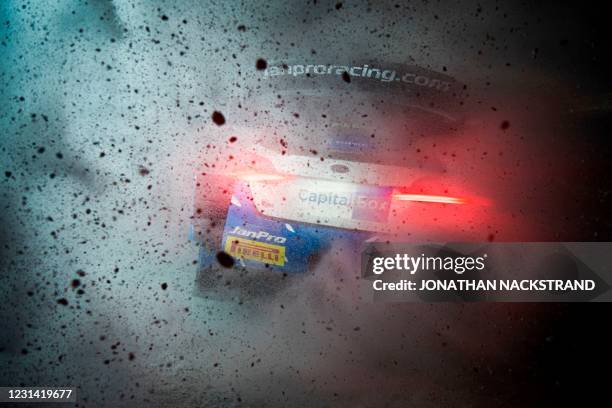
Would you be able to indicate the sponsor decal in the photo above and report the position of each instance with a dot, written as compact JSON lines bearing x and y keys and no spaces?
{"x":259,"y":235}
{"x":257,"y":251}
{"x":366,"y":205}
{"x":363,"y":71}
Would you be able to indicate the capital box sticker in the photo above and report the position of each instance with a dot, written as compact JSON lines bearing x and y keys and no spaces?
{"x":371,"y":204}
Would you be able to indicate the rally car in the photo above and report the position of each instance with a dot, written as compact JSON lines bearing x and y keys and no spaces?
{"x":332,"y":157}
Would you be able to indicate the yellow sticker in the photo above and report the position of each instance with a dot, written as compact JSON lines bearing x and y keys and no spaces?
{"x":255,"y":250}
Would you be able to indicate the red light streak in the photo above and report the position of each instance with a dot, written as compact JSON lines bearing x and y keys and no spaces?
{"x":424,"y":198}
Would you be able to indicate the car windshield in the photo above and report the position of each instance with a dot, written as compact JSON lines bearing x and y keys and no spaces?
{"x":367,"y":127}
{"x":357,"y":112}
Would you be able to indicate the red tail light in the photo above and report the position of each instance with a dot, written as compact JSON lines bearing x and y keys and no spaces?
{"x":426,"y":198}
{"x":399,"y":194}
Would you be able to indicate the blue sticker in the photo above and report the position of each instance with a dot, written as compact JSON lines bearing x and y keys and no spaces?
{"x":302,"y":243}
